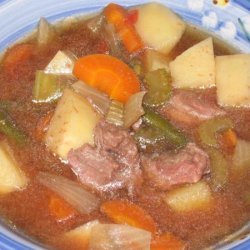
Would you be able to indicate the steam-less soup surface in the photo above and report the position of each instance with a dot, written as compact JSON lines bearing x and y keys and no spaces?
{"x":126,"y":130}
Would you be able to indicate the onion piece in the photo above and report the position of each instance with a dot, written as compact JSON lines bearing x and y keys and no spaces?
{"x":119,"y":237}
{"x":82,"y":200}
{"x":241,"y":156}
{"x":133,"y":109}
{"x":96,"y":23}
{"x":98,"y":99}
{"x":45,"y":32}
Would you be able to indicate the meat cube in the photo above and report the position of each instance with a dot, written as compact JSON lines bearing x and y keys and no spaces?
{"x":168,"y":169}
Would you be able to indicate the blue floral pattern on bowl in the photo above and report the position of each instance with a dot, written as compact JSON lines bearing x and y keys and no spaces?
{"x":228,"y":19}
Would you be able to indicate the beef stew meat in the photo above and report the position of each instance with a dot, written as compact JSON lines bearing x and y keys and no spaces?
{"x":119,"y":135}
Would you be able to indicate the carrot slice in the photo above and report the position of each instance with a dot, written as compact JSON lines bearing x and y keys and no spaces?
{"x":43,"y":125}
{"x":60,"y":209}
{"x":16,"y":55}
{"x":227,"y":140}
{"x":167,"y":241}
{"x":128,"y":213}
{"x":118,"y":16}
{"x":108,"y":74}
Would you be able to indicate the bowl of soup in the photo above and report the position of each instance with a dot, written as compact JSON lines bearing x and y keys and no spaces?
{"x":125,"y":125}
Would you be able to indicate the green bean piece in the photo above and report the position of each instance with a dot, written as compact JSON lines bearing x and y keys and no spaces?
{"x":159,"y":88}
{"x":171,"y":134}
{"x":208,"y":129}
{"x":8,"y":128}
{"x":219,"y":169}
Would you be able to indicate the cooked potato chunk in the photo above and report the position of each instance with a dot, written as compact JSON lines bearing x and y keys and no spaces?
{"x":154,"y":60}
{"x":195,"y":67}
{"x":159,"y":27}
{"x":11,"y":176}
{"x":233,"y":80}
{"x":72,"y":124}
{"x":190,"y":197}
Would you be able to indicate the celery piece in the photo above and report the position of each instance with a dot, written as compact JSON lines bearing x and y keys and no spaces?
{"x":115,"y":113}
{"x":47,"y":87}
{"x":219,"y":169}
{"x":208,"y":129}
{"x":136,"y":65}
{"x":148,"y":135}
{"x":159,"y":88}
{"x":171,"y":134}
{"x":8,"y":128}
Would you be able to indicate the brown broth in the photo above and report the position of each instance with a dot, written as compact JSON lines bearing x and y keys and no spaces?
{"x":28,"y":209}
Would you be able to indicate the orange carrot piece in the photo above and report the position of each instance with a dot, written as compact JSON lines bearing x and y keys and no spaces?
{"x":167,"y":241}
{"x":107,"y":74}
{"x":124,"y":212}
{"x":118,"y":16}
{"x":17,"y":54}
{"x":60,"y":209}
{"x":43,"y":125}
{"x":228,"y":140}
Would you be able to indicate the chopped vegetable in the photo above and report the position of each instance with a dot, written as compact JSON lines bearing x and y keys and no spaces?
{"x":119,"y":237}
{"x":47,"y":87}
{"x":60,"y":209}
{"x":16,"y":55}
{"x":219,"y":170}
{"x":167,"y":241}
{"x":79,"y":198}
{"x":237,"y":68}
{"x":228,"y":140}
{"x":159,"y":87}
{"x":154,"y":60}
{"x":115,"y":113}
{"x":12,"y":177}
{"x":77,"y":237}
{"x":241,"y":157}
{"x":62,"y":63}
{"x":107,"y":74}
{"x":148,"y":135}
{"x":159,"y":27}
{"x":124,"y":212}
{"x":118,"y":16}
{"x":137,"y":66}
{"x":95,"y":24}
{"x":45,"y":32}
{"x":43,"y":125}
{"x":189,"y":197}
{"x":98,"y":99}
{"x":195,"y":67}
{"x":133,"y":109}
{"x":175,"y":137}
{"x":8,"y":128}
{"x":72,"y":124}
{"x":208,"y":130}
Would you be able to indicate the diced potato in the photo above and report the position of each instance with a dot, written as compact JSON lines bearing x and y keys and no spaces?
{"x":154,"y":60}
{"x":11,"y":176}
{"x":195,"y":67}
{"x":190,"y":197}
{"x":78,"y":237}
{"x":62,"y":63}
{"x":72,"y":124}
{"x":233,"y":80}
{"x":159,"y":27}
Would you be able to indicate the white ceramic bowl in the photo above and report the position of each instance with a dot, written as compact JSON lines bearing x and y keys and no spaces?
{"x":230,"y":20}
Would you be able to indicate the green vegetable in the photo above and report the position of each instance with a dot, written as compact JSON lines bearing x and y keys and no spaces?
{"x":8,"y":128}
{"x":219,"y":169}
{"x":136,"y":65}
{"x":159,"y":87}
{"x":171,"y":134}
{"x":148,"y":135}
{"x":115,"y":113}
{"x":47,"y":87}
{"x":208,"y":129}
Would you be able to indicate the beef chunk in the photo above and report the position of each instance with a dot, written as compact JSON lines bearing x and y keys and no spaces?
{"x":188,"y":108}
{"x":113,"y":162}
{"x":168,"y":169}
